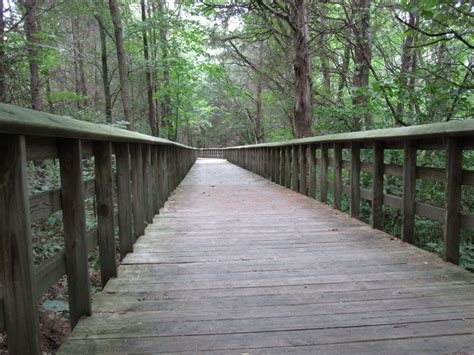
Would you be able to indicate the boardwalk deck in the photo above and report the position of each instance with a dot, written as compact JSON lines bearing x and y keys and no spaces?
{"x":235,"y":264}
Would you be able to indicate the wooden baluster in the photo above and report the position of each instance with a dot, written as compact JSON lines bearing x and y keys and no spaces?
{"x":122,"y":155}
{"x":105,"y":210}
{"x":294,"y":168}
{"x":355,"y":180}
{"x":288,"y":167}
{"x":276,"y":167}
{"x":337,"y":183}
{"x":377,"y":188}
{"x":16,"y":252}
{"x":281,"y":168}
{"x":74,"y":221}
{"x":147,"y":183}
{"x":324,"y":173}
{"x":137,"y":191}
{"x":302,"y":169}
{"x":155,"y":175}
{"x":409,"y":190}
{"x":311,"y":154}
{"x":452,"y":217}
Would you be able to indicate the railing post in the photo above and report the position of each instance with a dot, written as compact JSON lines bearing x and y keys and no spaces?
{"x":355,"y":180}
{"x":74,"y":221}
{"x":324,"y":172}
{"x":452,"y":217}
{"x":288,"y":167}
{"x":294,"y":168}
{"x":337,"y":190}
{"x":377,"y":188}
{"x":147,"y":183}
{"x":409,"y":190}
{"x":302,"y":169}
{"x":105,"y":210}
{"x":16,"y":259}
{"x":137,"y":191}
{"x":122,"y":155}
{"x":311,"y":156}
{"x":155,"y":176}
{"x":281,"y":167}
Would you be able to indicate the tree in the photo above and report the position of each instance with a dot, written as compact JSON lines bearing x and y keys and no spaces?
{"x":31,"y":29}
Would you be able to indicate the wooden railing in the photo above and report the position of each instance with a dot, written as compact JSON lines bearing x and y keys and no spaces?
{"x":210,"y":153}
{"x":144,"y":170}
{"x":294,"y":164}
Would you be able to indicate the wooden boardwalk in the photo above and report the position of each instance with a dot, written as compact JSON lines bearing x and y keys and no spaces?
{"x":235,"y":264}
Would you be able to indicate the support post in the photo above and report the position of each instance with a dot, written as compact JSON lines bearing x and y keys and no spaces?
{"x":137,"y":191}
{"x":303,"y":168}
{"x":311,"y":156}
{"x":377,"y":189}
{"x":324,"y":173}
{"x":409,"y":190}
{"x":355,"y":180}
{"x":337,"y":191}
{"x":294,"y":168}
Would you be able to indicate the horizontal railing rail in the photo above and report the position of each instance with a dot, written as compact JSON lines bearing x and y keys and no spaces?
{"x":210,"y":153}
{"x":294,"y":164}
{"x":134,"y":176}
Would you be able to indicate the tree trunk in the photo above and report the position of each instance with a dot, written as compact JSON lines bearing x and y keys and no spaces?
{"x":2,"y":55}
{"x":343,"y":73}
{"x":122,"y":62}
{"x":303,"y":105}
{"x":146,"y":56}
{"x":166,"y":100}
{"x":31,"y":30}
{"x":105,"y":69}
{"x":362,"y":59}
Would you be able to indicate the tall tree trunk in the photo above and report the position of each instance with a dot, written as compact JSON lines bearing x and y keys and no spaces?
{"x":81,"y":88}
{"x":258,"y":114}
{"x":31,"y":30}
{"x":303,"y":105}
{"x":122,"y":61}
{"x":2,"y":55}
{"x":166,"y":100}
{"x":154,"y":60}
{"x":323,"y":53}
{"x":343,"y":73}
{"x":105,"y":69}
{"x":362,"y":59}
{"x":146,"y":56}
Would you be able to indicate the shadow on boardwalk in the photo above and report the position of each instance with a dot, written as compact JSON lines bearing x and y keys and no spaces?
{"x":236,"y":264}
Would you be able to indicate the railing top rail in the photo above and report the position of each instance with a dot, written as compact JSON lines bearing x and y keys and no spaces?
{"x":18,"y":120}
{"x":445,"y":129}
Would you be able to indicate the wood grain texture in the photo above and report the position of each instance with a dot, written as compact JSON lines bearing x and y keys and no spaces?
{"x":324,"y":172}
{"x":311,"y":153}
{"x":377,"y":185}
{"x":355,"y":180}
{"x":235,"y":264}
{"x":138,"y":209}
{"x":16,"y":256}
{"x":74,"y":221}
{"x":409,"y":192}
{"x":337,"y":190}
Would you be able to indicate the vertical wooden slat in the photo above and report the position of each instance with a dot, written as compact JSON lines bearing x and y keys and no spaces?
{"x":355,"y":180}
{"x":122,"y":155}
{"x":277,"y":165}
{"x":294,"y":168}
{"x":155,"y":175}
{"x":311,"y":154}
{"x":377,"y":188}
{"x":281,"y":168}
{"x":105,"y":210}
{"x":137,"y":190}
{"x":337,"y":176}
{"x":288,"y":167}
{"x":324,"y":172}
{"x":147,"y":183}
{"x":302,"y":170}
{"x":452,"y":219}
{"x":74,"y":220}
{"x":16,"y":259}
{"x":409,"y":189}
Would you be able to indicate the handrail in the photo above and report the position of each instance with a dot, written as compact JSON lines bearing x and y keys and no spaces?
{"x":425,"y":131}
{"x":293,"y":163}
{"x":147,"y":170}
{"x":210,"y":153}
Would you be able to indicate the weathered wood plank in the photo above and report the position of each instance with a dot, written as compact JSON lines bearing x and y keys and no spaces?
{"x":409,"y":191}
{"x":294,"y":168}
{"x":324,"y":173}
{"x":16,"y":259}
{"x":303,"y":170}
{"x":355,"y":180}
{"x":311,"y":153}
{"x":377,"y":188}
{"x":74,"y":220}
{"x":138,"y":209}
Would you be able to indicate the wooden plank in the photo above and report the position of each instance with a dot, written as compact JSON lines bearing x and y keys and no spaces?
{"x":44,"y":204}
{"x":393,"y":201}
{"x":138,"y":210}
{"x":303,"y":170}
{"x":452,"y":223}
{"x":294,"y":168}
{"x":147,"y":183}
{"x":431,"y":212}
{"x":377,"y":188}
{"x":287,"y":167}
{"x":467,"y":222}
{"x":337,"y":190}
{"x":122,"y":155}
{"x":41,"y":148}
{"x":154,"y":183}
{"x":409,"y":191}
{"x":276,"y":165}
{"x":311,"y":153}
{"x":366,"y":194}
{"x":468,"y":177}
{"x":16,"y":259}
{"x":324,"y":173}
{"x":281,"y":170}
{"x":355,"y":180}
{"x":105,"y":210}
{"x":74,"y":221}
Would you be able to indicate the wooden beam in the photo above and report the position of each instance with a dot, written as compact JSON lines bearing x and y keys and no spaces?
{"x":303,"y":168}
{"x":287,"y":167}
{"x":355,"y":180}
{"x":74,"y":220}
{"x":311,"y":154}
{"x":137,"y":190}
{"x":294,"y":168}
{"x":452,"y":222}
{"x":324,"y":173}
{"x":16,"y":259}
{"x":409,"y":191}
{"x":377,"y":183}
{"x":105,"y":210}
{"x":337,"y":191}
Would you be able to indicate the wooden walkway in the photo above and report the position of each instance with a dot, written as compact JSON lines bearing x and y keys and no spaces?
{"x":235,"y":264}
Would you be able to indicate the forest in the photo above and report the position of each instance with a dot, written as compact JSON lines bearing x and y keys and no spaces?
{"x":217,"y":73}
